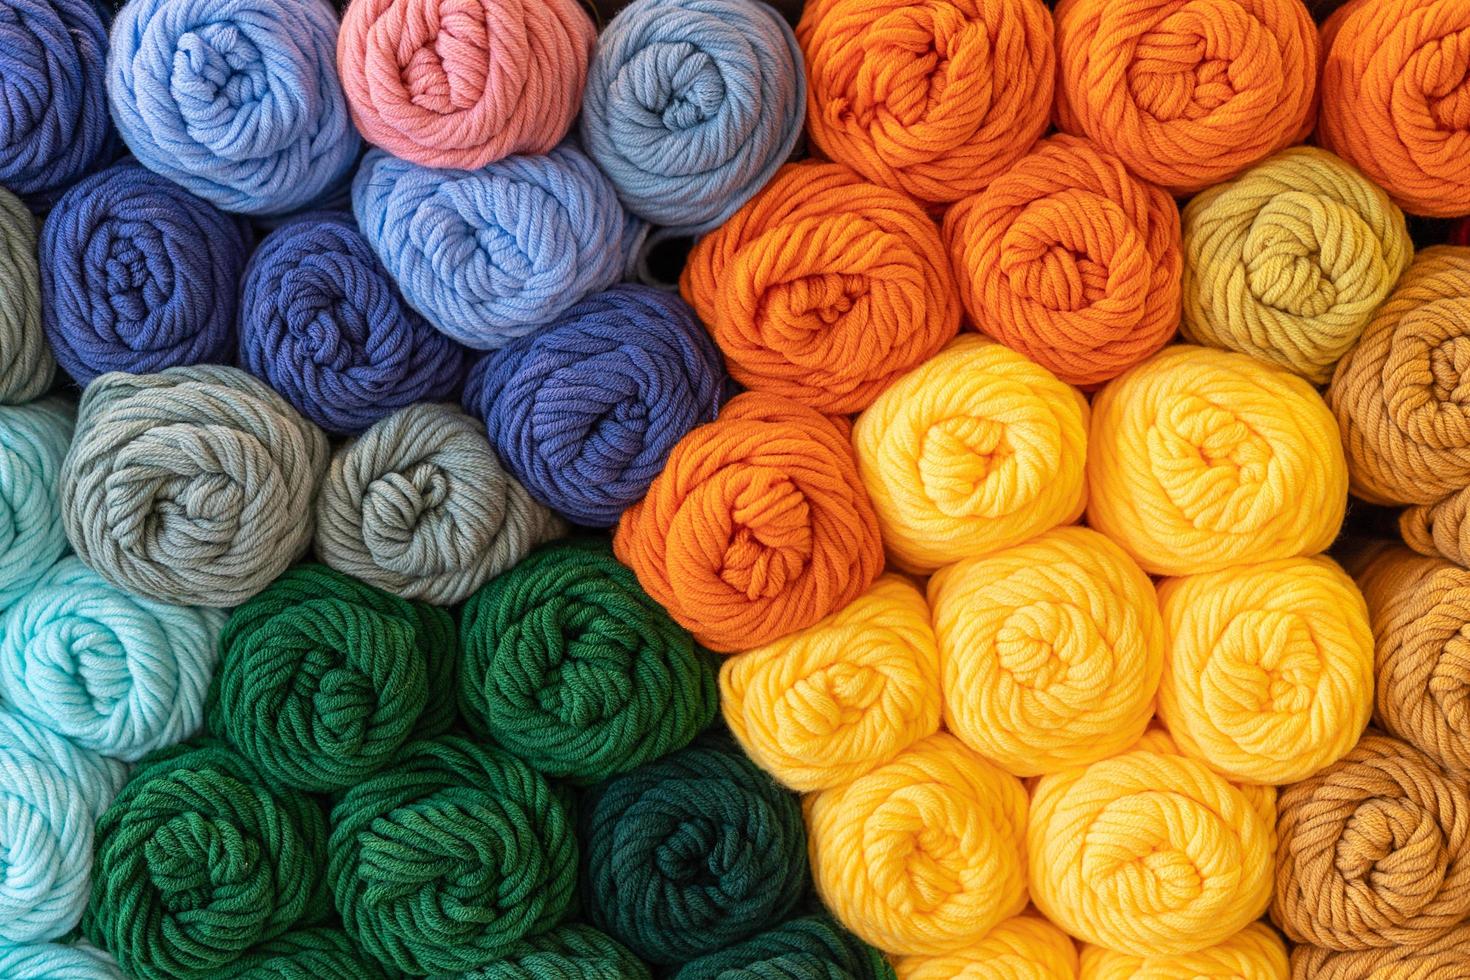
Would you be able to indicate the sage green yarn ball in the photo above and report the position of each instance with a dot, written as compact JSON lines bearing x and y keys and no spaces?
{"x":306,"y":954}
{"x":813,"y":947}
{"x":572,"y":951}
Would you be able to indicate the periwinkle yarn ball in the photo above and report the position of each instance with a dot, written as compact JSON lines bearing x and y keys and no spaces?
{"x":238,"y":102}
{"x":585,"y":411}
{"x":33,"y":443}
{"x":138,"y":275}
{"x":26,"y":365}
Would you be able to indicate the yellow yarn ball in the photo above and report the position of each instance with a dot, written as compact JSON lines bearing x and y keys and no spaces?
{"x":924,"y":855}
{"x":1289,"y":261}
{"x":1023,"y":948}
{"x":1201,"y":459}
{"x":1268,"y":673}
{"x":827,"y":704}
{"x":1050,"y":652}
{"x":975,"y":450}
{"x":1253,"y":953}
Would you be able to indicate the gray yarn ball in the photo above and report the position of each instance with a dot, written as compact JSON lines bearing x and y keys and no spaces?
{"x":26,"y":364}
{"x":192,"y":486}
{"x":420,"y":506}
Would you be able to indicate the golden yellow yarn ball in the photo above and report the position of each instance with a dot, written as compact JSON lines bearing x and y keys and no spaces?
{"x":975,"y":450}
{"x":1023,"y":948}
{"x":1050,"y":651}
{"x":829,"y":703}
{"x":1254,"y":953}
{"x":924,"y":855}
{"x":1200,"y":459}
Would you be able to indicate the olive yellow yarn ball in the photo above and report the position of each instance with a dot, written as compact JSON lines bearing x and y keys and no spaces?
{"x":1254,"y":953}
{"x":1023,"y":948}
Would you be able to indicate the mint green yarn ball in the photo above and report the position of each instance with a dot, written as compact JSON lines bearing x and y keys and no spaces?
{"x":33,"y":442}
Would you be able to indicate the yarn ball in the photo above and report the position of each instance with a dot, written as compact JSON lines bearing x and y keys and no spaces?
{"x":57,"y":961}
{"x":492,"y":254}
{"x":192,"y":486}
{"x":33,"y":444}
{"x":1438,"y":958}
{"x":1200,"y":459}
{"x":323,"y":678}
{"x":446,"y":860}
{"x":1289,"y":261}
{"x":935,"y":100}
{"x":1023,"y":948}
{"x":586,"y":410}
{"x":1440,"y":529}
{"x":198,"y":860}
{"x":419,"y":505}
{"x":571,"y":951}
{"x":1187,"y":96}
{"x":238,"y":104}
{"x":322,"y":953}
{"x":757,"y":527}
{"x":1071,"y":260}
{"x":324,"y":324}
{"x":1374,"y":851}
{"x":809,"y":946}
{"x":973,"y":451}
{"x":27,"y":366}
{"x":138,"y":275}
{"x":824,"y":288}
{"x":829,"y":703}
{"x":1050,"y":652}
{"x":1254,"y":953}
{"x":690,"y":854}
{"x":457,"y":85}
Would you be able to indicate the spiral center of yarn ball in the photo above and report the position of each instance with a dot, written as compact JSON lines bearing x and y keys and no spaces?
{"x":1296,"y":256}
{"x":1051,"y":646}
{"x":1273,"y":668}
{"x":1393,"y":836}
{"x":917,"y":52}
{"x":770,"y":534}
{"x":1201,"y":57}
{"x":1211,"y":463}
{"x":968,"y":467}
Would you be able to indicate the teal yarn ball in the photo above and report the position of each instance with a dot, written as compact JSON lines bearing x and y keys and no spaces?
{"x":692,"y":853}
{"x":571,"y":951}
{"x":33,"y":443}
{"x":569,"y":664}
{"x":305,"y":954}
{"x":323,"y":678}
{"x":57,"y":961}
{"x":446,"y":860}
{"x":115,"y":673}
{"x":813,"y":947}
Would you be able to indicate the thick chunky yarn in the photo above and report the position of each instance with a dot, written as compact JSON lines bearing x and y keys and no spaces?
{"x":923,"y":855}
{"x":320,"y":953}
{"x":1187,"y":95}
{"x":322,"y":678}
{"x":973,"y":451}
{"x":1374,"y":851}
{"x":455,"y":84}
{"x":1289,"y":261}
{"x":1439,"y":959}
{"x":1201,"y":459}
{"x":33,"y":444}
{"x":571,"y":951}
{"x":1026,"y":947}
{"x":198,"y":861}
{"x":26,"y":363}
{"x":1050,"y":652}
{"x":420,"y":506}
{"x":824,"y":288}
{"x":1253,"y":953}
{"x":757,"y":527}
{"x":192,"y":486}
{"x":1441,"y":529}
{"x":57,"y":961}
{"x":809,"y":946}
{"x":829,"y":703}
{"x":138,"y":275}
{"x":585,"y":410}
{"x":322,"y":321}
{"x":238,"y":103}
{"x":691,"y":854}
{"x":1071,"y":260}
{"x":691,"y":105}
{"x":933,"y":99}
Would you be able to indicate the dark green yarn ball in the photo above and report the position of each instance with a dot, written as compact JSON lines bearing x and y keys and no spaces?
{"x":569,"y":664}
{"x":692,"y":853}
{"x":306,"y":954}
{"x":197,"y":860}
{"x":445,"y":860}
{"x":813,"y":947}
{"x":569,"y":952}
{"x":322,"y":678}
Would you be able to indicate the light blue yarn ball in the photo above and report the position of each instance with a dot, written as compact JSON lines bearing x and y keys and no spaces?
{"x":57,"y":961}
{"x":115,"y":673}
{"x":238,"y":101}
{"x":33,"y":442}
{"x":489,"y":255}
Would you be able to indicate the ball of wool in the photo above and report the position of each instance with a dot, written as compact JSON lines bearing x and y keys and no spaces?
{"x":1071,"y":260}
{"x":1254,"y":953}
{"x":1440,"y":529}
{"x":585,"y":411}
{"x":239,"y":104}
{"x":690,"y":854}
{"x":138,"y":275}
{"x":446,"y":860}
{"x":1187,"y":96}
{"x":492,"y":254}
{"x":1050,"y":652}
{"x":192,"y":486}
{"x":935,"y":100}
{"x":420,"y":506}
{"x":452,"y":84}
{"x":321,"y":320}
{"x":691,"y":105}
{"x":198,"y":860}
{"x":973,"y":451}
{"x":829,"y":703}
{"x":321,"y":953}
{"x":757,"y":527}
{"x":1023,"y":948}
{"x":1438,"y":958}
{"x":57,"y":961}
{"x":33,"y":444}
{"x":26,"y":363}
{"x":323,"y":678}
{"x":1374,"y":851}
{"x":810,"y":946}
{"x":1289,"y":261}
{"x":572,"y":951}
{"x":824,"y":288}
{"x":1201,"y":459}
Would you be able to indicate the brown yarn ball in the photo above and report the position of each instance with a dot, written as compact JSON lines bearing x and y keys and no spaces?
{"x":1445,"y":958}
{"x":1441,"y":528}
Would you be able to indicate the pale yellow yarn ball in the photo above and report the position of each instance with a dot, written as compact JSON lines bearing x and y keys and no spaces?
{"x":1023,"y":948}
{"x":1254,"y":953}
